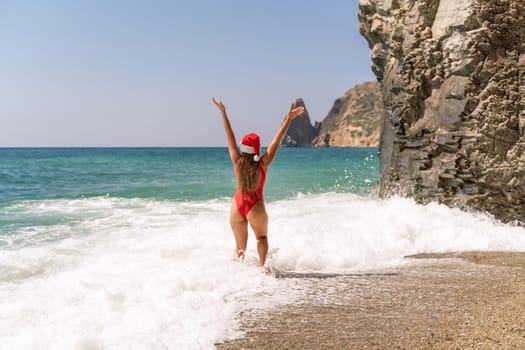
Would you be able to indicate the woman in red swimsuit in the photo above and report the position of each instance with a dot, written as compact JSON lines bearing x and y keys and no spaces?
{"x":250,"y":171}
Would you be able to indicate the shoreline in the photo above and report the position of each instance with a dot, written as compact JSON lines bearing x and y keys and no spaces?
{"x":467,"y":300}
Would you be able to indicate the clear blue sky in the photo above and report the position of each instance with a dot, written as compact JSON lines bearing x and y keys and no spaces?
{"x":142,"y":73}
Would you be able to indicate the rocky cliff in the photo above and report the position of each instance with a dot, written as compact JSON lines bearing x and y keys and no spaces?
{"x":353,"y":120}
{"x":452,"y":74}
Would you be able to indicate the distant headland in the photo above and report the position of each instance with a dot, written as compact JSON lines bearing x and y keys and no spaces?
{"x":353,"y":121}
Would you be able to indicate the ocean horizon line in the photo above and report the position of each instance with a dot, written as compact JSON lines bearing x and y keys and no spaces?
{"x":158,"y":147}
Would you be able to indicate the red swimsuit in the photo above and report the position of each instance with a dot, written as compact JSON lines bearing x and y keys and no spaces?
{"x":245,"y":203}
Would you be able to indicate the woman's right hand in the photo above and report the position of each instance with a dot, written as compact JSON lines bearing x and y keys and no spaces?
{"x":219,"y":105}
{"x":295,"y":112}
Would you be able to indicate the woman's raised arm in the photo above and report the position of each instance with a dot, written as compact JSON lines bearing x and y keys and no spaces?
{"x":232,"y":143}
{"x":271,"y":151}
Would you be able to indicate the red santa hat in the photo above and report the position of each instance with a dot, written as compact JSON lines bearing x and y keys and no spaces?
{"x":251,"y":144}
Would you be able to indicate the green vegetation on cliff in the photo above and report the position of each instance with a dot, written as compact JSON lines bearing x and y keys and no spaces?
{"x":353,"y":120}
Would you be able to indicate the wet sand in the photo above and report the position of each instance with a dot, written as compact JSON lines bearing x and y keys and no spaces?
{"x":472,"y":300}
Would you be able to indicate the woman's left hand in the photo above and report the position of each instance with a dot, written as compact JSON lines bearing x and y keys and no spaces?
{"x":219,"y":104}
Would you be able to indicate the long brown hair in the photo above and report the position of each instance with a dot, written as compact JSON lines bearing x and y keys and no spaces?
{"x":247,"y":172}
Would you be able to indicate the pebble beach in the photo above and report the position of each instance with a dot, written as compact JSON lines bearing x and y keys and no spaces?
{"x":472,"y":300}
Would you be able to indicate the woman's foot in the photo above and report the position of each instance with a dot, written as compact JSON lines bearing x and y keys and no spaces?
{"x":238,"y":254}
{"x":266,"y":270}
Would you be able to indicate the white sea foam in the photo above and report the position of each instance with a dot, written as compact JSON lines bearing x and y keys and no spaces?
{"x":341,"y":232}
{"x":129,"y":273}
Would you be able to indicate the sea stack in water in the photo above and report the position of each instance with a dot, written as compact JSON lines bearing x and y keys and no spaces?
{"x":453,"y":81}
{"x":301,"y":131}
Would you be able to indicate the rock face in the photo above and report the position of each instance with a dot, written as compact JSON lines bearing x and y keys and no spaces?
{"x":453,"y":81}
{"x":301,"y":132}
{"x":353,"y":120}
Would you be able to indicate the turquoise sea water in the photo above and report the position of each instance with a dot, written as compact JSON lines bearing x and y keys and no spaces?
{"x":181,"y":174}
{"x":130,"y":248}
{"x":32,"y":177}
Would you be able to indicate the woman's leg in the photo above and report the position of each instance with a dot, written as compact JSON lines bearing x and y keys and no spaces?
{"x":240,"y":231}
{"x":258,"y":220}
